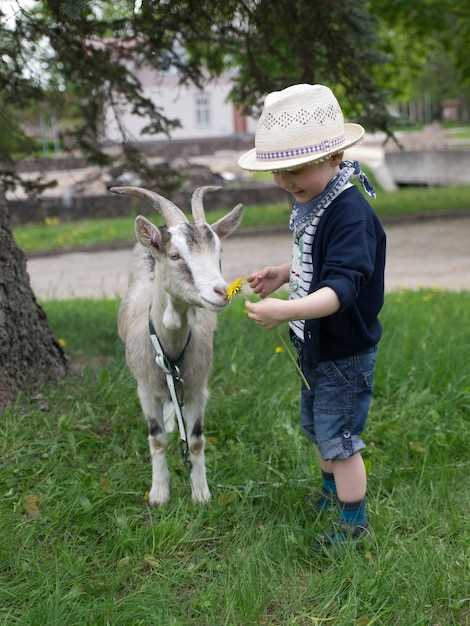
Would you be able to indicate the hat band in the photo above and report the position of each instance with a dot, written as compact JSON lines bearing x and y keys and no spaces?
{"x":326,"y":144}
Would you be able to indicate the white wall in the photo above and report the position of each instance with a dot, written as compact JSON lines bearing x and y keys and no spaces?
{"x":178,"y":102}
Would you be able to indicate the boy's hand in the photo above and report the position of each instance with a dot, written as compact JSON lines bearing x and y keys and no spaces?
{"x":268,"y":279}
{"x":269,"y":313}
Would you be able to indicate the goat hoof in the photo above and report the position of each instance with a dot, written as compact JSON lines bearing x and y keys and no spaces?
{"x":159,"y":495}
{"x":201,"y":495}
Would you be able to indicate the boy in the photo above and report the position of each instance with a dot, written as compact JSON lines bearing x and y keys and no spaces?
{"x":336,"y":284}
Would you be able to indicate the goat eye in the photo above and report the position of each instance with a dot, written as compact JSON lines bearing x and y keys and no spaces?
{"x":174,"y":257}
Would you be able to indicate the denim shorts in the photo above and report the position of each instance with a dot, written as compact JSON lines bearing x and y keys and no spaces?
{"x":333,"y":412}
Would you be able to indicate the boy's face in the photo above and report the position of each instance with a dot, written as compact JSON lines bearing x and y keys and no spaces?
{"x":307,"y":181}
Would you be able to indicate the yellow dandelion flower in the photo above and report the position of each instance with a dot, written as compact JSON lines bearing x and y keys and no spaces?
{"x":279,"y":349}
{"x":234,"y":288}
{"x":62,"y":343}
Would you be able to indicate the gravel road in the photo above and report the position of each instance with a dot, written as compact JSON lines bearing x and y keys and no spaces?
{"x":425,"y":254}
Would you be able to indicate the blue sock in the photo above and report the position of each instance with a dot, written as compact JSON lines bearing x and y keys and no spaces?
{"x":328,"y":489}
{"x":353,"y":513}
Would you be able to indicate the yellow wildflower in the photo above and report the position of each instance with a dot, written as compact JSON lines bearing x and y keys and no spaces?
{"x":234,"y":288}
{"x":428,"y":296}
{"x":62,"y":343}
{"x":279,"y":349}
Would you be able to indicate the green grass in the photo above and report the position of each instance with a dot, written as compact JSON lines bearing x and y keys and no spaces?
{"x":89,"y":233}
{"x":94,"y":554}
{"x":463,"y":132}
{"x":423,"y":201}
{"x":406,"y":126}
{"x":58,"y":235}
{"x":457,"y":130}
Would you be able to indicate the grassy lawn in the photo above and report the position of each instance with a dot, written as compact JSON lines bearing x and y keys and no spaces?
{"x":80,"y":547}
{"x":56,"y":236}
{"x":462,"y":132}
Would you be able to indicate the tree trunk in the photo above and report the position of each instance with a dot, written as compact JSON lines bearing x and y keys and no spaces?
{"x":29,"y":353}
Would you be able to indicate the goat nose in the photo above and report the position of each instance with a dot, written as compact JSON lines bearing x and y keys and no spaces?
{"x":220,"y":291}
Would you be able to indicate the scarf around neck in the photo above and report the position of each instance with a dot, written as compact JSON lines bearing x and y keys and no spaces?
{"x":302,"y":211}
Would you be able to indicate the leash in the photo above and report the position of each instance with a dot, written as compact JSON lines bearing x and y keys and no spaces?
{"x":175,"y":384}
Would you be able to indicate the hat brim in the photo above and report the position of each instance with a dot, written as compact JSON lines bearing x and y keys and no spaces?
{"x":248,"y":161}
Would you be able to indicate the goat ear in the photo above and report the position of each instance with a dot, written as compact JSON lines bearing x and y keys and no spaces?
{"x":147,"y":234}
{"x":229,"y":223}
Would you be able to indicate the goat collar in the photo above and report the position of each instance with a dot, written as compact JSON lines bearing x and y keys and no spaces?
{"x":169,"y":366}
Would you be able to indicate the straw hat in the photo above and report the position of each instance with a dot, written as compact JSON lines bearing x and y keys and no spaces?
{"x":298,"y":125}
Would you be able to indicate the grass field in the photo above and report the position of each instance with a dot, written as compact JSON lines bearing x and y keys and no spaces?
{"x":80,"y":547}
{"x":462,"y":132}
{"x":68,"y":235}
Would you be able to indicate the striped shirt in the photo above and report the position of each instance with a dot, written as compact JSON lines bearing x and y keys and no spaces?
{"x":301,"y":265}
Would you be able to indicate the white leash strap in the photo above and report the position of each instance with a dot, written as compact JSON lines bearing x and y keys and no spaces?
{"x":174,"y":398}
{"x":161,"y":362}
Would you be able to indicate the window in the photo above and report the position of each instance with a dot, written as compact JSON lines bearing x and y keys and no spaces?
{"x":203,"y":110}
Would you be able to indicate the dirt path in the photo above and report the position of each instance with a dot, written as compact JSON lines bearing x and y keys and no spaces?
{"x":429,"y":254}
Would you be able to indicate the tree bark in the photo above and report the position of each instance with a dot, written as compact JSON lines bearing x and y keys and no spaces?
{"x":29,"y":353}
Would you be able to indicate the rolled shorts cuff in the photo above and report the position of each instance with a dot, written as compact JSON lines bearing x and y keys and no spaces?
{"x":340,"y":447}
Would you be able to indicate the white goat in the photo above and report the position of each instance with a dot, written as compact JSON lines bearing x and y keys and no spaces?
{"x":176,"y":279}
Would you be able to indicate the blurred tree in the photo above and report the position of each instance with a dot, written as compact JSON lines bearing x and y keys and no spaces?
{"x":275,"y":43}
{"x":426,"y":45}
{"x":430,"y":23}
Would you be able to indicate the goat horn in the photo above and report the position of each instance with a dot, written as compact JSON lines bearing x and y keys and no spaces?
{"x":170,"y":211}
{"x":196,"y":202}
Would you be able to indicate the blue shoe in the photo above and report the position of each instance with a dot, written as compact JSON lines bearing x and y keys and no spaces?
{"x":340,"y":535}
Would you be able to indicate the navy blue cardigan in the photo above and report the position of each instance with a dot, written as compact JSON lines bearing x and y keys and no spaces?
{"x":349,"y":256}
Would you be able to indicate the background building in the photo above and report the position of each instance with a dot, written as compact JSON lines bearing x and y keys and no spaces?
{"x":202,"y":113}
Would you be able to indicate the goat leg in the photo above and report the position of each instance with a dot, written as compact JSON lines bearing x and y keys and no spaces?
{"x":153,"y":411}
{"x":194,"y":414}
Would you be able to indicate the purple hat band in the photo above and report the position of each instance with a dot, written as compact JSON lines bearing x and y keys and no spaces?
{"x":326,"y":144}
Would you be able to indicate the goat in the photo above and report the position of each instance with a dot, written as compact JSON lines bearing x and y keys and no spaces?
{"x":176,"y":279}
